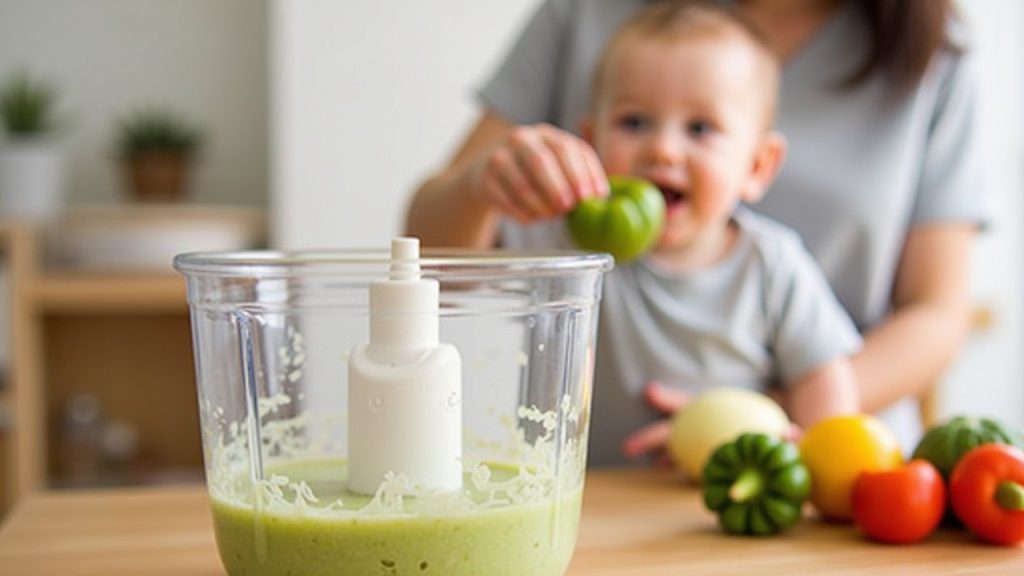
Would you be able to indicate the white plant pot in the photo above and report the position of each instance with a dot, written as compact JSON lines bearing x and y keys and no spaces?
{"x":31,"y":180}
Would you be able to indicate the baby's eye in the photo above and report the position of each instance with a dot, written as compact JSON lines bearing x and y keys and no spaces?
{"x":698,"y":127}
{"x":633,"y":122}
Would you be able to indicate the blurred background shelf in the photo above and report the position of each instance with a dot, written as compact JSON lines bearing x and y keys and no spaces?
{"x":92,"y":292}
{"x":100,"y":386}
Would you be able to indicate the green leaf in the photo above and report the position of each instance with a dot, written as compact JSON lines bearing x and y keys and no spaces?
{"x":157,"y":130}
{"x":26,"y":105}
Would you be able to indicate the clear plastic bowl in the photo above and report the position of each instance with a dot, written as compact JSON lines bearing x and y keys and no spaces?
{"x":273,"y":333}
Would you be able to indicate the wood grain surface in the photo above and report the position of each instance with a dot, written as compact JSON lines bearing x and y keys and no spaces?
{"x":635,"y":522}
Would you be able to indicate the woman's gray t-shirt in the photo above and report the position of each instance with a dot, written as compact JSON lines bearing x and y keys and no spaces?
{"x":866,"y":164}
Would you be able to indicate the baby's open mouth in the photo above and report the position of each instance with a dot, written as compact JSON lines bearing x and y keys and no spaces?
{"x":672,"y":196}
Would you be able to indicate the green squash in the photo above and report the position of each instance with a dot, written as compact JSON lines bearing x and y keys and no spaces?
{"x":946,"y":443}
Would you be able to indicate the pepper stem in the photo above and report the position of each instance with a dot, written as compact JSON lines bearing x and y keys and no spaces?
{"x":747,"y":485}
{"x":1010,"y":495}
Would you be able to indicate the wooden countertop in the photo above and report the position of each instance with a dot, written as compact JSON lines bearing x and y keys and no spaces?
{"x":635,"y":522}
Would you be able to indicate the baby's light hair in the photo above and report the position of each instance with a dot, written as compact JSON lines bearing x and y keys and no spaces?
{"x":672,"y":19}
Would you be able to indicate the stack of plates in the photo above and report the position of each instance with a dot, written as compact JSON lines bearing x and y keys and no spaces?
{"x":148,"y":236}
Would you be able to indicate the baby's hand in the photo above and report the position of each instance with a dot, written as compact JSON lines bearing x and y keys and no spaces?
{"x":794,"y":434}
{"x":653,"y":438}
{"x":539,"y":172}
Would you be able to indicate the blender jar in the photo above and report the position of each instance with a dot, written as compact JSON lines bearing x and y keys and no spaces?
{"x":372,"y":413}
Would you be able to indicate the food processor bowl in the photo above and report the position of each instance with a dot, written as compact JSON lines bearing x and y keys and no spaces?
{"x":299,"y":379}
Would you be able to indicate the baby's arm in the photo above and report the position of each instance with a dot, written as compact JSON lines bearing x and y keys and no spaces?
{"x":828,"y":390}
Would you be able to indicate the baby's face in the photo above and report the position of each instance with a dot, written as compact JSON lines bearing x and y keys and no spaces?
{"x":686,"y":114}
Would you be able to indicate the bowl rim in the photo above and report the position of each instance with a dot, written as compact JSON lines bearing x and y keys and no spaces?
{"x":432,"y":262}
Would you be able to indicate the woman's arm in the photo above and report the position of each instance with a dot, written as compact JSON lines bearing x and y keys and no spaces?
{"x":444,"y":211}
{"x":526,"y":172}
{"x":930,"y":318}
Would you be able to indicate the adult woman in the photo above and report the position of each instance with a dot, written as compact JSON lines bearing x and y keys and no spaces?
{"x":881,"y":181}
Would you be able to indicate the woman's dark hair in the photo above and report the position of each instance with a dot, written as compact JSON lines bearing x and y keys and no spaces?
{"x":905,"y":34}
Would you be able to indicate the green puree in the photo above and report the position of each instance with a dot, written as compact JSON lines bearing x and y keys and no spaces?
{"x":535,"y":539}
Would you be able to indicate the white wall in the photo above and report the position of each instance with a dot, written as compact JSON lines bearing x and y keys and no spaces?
{"x":368,"y":97}
{"x":207,"y":59}
{"x":988,"y":378}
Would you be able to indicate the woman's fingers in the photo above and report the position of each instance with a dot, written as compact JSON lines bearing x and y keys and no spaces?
{"x":507,"y":187}
{"x":540,"y":172}
{"x":595,"y":173}
{"x":578,"y":162}
{"x":540,"y":166}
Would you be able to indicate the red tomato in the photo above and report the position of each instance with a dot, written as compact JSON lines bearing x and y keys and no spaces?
{"x":899,"y":506}
{"x":987,"y":492}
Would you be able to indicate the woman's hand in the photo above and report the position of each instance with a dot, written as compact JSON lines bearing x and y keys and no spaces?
{"x":524,"y":172}
{"x":537,"y":172}
{"x":652,"y":439}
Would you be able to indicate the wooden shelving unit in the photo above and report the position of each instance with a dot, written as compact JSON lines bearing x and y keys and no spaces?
{"x":123,"y":337}
{"x":6,"y":423}
{"x":69,"y":292}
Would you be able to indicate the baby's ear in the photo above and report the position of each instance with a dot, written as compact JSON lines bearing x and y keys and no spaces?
{"x":768,"y":158}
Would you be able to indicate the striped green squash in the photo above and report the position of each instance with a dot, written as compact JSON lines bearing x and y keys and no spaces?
{"x":946,"y":443}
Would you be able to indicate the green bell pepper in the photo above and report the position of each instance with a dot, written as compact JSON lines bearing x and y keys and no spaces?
{"x":757,"y":484}
{"x":626,"y":224}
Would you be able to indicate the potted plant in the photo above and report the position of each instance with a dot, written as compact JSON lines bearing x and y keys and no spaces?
{"x":157,"y":147}
{"x":31,"y":164}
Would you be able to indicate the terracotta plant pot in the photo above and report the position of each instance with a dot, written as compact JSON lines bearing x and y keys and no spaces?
{"x":158,"y":176}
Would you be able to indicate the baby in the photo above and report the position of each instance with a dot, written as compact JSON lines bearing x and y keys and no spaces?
{"x":684,"y":97}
